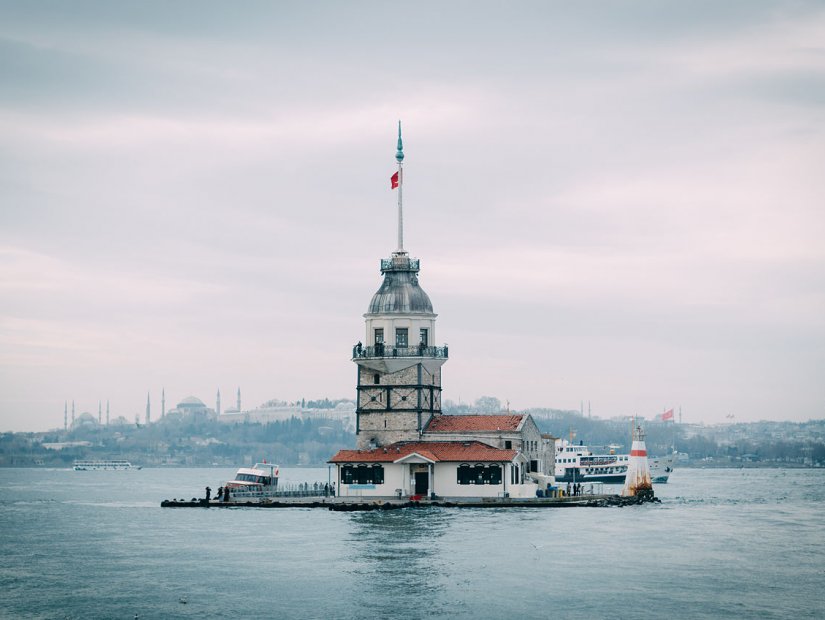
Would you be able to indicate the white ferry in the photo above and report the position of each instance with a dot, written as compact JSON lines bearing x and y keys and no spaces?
{"x":103,"y":465}
{"x":577,"y":463}
{"x":661,"y":467}
{"x":258,"y":481}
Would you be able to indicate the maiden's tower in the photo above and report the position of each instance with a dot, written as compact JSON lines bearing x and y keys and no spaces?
{"x":399,"y":368}
{"x":405,"y":446}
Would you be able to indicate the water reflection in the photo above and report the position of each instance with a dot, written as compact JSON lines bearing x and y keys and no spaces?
{"x":399,"y":560}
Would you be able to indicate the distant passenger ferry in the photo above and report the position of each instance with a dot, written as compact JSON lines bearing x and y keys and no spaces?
{"x":101,"y":465}
{"x":577,"y":463}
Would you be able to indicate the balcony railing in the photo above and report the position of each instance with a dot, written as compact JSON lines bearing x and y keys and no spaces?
{"x":384,"y":350}
{"x":401,"y":263}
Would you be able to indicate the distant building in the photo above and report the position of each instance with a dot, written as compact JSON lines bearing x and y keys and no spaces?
{"x":84,"y":420}
{"x":191,"y":406}
{"x":277,"y":411}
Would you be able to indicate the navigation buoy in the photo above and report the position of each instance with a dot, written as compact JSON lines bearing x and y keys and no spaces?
{"x":637,"y":482}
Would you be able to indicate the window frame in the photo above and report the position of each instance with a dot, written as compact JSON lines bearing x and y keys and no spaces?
{"x":399,"y":331}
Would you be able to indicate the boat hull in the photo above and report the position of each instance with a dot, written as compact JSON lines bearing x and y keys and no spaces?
{"x":579,"y":477}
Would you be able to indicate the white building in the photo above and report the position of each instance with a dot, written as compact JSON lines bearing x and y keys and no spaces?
{"x":405,"y":445}
{"x":343,"y":412}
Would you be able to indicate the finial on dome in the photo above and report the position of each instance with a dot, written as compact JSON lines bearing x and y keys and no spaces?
{"x":399,"y":154}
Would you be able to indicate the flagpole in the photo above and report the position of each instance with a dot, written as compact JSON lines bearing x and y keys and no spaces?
{"x":399,"y":156}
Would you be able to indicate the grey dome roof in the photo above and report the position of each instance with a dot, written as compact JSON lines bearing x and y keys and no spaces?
{"x":400,"y":292}
{"x":191,"y":401}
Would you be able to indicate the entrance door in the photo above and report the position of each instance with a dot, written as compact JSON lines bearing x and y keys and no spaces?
{"x":422,"y":482}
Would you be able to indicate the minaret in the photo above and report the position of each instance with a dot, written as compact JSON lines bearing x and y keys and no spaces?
{"x":66,"y":415}
{"x":163,"y":402}
{"x":218,"y":404}
{"x":239,"y":399}
{"x":99,"y":413}
{"x":107,"y":412}
{"x":399,"y":369}
{"x":148,"y":411}
{"x":72,"y":414}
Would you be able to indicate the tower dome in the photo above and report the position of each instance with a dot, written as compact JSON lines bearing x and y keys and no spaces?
{"x":400,"y":292}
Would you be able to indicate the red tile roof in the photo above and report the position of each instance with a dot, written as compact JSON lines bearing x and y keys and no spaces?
{"x":432,"y":450}
{"x":474,"y":423}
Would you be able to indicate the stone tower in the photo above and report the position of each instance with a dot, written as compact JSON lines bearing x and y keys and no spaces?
{"x":399,"y":367}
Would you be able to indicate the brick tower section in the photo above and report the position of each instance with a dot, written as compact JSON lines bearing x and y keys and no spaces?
{"x":399,"y":371}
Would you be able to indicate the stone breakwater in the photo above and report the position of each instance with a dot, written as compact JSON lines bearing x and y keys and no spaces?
{"x":350,"y":504}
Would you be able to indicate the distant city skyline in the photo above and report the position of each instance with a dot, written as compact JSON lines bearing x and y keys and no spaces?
{"x":618,"y":203}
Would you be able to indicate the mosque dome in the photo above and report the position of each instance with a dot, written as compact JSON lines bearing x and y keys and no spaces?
{"x":85,"y":419}
{"x":400,"y":292}
{"x":191,"y":402}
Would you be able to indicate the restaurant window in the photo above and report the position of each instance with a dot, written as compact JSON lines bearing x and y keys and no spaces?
{"x":362,"y":474}
{"x":379,"y":335}
{"x":478,"y":474}
{"x":401,"y":337}
{"x":424,"y":336}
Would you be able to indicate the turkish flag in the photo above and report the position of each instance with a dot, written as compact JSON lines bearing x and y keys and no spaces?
{"x":667,"y":415}
{"x":394,"y":181}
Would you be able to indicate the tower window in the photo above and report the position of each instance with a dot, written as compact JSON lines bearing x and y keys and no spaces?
{"x":401,"y":337}
{"x":376,"y":379}
{"x":379,"y":335}
{"x":424,"y":336}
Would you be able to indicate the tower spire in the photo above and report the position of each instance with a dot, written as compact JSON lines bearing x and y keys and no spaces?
{"x":148,"y":414}
{"x":399,"y":157}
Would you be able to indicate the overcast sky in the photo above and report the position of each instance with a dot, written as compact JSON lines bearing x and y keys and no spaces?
{"x":615,"y":202}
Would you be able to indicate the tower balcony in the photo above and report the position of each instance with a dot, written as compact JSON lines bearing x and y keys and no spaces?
{"x":385,"y":350}
{"x":400,"y":262}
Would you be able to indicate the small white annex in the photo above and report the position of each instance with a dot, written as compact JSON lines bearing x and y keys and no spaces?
{"x":433,"y":469}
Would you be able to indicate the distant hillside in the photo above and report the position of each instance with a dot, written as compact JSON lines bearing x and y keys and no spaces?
{"x":189,"y":442}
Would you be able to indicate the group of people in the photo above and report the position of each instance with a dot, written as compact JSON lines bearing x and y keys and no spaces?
{"x":222,"y":494}
{"x":575,"y":490}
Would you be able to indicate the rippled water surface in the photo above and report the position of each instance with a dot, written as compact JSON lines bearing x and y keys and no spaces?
{"x":723,"y":543}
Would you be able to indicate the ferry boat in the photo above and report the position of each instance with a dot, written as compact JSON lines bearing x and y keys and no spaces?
{"x":103,"y":465}
{"x":577,"y":463}
{"x":662,"y":467}
{"x":258,"y":481}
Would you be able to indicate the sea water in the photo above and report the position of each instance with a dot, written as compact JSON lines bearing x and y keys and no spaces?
{"x":746,"y":543}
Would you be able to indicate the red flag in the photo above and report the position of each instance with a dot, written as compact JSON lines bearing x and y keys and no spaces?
{"x":394,"y":181}
{"x":667,"y":415}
